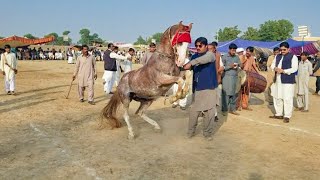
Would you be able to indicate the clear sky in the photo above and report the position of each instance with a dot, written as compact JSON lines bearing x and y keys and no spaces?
{"x":125,"y":20}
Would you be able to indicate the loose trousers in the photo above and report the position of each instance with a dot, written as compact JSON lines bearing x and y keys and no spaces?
{"x":318,"y":84}
{"x":90,"y":91}
{"x":109,"y":77}
{"x":208,"y":121}
{"x":283,"y":107}
{"x":228,"y":101}
{"x":303,"y":99}
{"x":9,"y":84}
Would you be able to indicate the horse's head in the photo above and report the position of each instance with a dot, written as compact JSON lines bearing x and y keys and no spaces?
{"x":180,"y":38}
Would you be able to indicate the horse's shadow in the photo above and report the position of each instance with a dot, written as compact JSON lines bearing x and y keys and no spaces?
{"x":164,"y":116}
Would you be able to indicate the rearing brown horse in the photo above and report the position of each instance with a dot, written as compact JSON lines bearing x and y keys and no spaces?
{"x":152,"y":80}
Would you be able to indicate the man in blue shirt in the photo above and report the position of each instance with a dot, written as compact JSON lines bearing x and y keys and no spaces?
{"x":204,"y":88}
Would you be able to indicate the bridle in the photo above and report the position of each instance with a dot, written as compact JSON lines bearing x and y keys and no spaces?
{"x":174,"y":41}
{"x":174,"y":49}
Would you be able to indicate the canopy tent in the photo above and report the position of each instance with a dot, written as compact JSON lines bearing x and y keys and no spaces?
{"x":311,"y":48}
{"x":16,"y":41}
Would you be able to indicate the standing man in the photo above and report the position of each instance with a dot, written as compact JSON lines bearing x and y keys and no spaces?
{"x":240,"y":52}
{"x":86,"y":71}
{"x":213,"y":48}
{"x":249,"y":65}
{"x":271,"y":74}
{"x":127,"y":64}
{"x":316,"y":73}
{"x":70,"y":56}
{"x":147,"y":55}
{"x":285,"y":66}
{"x":110,"y":67}
{"x":231,"y":63}
{"x":204,"y":88}
{"x":9,"y":69}
{"x":304,"y":72}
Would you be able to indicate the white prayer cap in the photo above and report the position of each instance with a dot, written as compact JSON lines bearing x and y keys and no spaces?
{"x":239,"y":50}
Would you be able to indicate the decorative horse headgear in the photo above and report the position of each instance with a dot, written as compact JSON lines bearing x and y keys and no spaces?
{"x":182,"y":34}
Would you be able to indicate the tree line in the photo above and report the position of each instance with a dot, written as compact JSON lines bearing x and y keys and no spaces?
{"x":272,"y":30}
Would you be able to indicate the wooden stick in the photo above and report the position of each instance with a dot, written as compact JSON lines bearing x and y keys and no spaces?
{"x":69,"y":89}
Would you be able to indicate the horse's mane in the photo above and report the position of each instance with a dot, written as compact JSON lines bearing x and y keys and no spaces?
{"x":167,"y":34}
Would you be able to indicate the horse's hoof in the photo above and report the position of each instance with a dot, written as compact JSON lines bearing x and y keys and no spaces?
{"x":131,"y":137}
{"x":172,"y":100}
{"x":157,"y":130}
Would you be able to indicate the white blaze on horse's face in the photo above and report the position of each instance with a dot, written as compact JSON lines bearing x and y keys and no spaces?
{"x":182,"y":49}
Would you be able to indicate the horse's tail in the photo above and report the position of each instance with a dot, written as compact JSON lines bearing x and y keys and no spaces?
{"x":109,"y":112}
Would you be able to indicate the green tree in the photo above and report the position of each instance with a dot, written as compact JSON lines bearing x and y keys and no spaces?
{"x":251,"y":34}
{"x":29,"y":36}
{"x":66,"y":32}
{"x":156,"y":36}
{"x":228,"y":33}
{"x":84,"y":36}
{"x":276,"y":30}
{"x":95,"y":38}
{"x":140,"y":40}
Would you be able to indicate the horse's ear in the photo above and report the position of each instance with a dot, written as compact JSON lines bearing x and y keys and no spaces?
{"x":190,"y":26}
{"x":180,"y":26}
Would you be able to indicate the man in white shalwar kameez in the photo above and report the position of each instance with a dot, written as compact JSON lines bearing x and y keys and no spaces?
{"x":304,"y":72}
{"x":285,"y":65}
{"x":9,"y":69}
{"x":110,"y":67}
{"x":127,"y":64}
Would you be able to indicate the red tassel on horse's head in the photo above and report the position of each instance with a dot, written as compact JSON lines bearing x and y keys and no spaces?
{"x":182,"y":35}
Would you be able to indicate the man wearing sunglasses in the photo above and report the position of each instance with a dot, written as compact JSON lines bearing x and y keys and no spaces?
{"x":285,"y":65}
{"x":231,"y":62}
{"x":204,"y":88}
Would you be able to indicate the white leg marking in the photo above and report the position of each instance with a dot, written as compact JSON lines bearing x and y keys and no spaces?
{"x":126,"y":118}
{"x":150,"y":121}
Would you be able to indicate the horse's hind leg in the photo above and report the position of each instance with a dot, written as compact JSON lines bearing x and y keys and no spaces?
{"x":127,"y":118}
{"x":143,"y":106}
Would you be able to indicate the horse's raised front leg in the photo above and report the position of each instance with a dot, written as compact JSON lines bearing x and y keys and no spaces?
{"x":187,"y":83}
{"x":143,"y":106}
{"x":165,"y":79}
{"x":178,"y":95}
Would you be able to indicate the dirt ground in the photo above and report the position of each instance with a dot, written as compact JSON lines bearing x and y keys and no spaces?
{"x":45,"y":136}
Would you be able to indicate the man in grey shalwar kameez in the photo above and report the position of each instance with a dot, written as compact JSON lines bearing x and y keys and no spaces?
{"x":204,"y":89}
{"x":304,"y":72}
{"x":231,"y":63}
